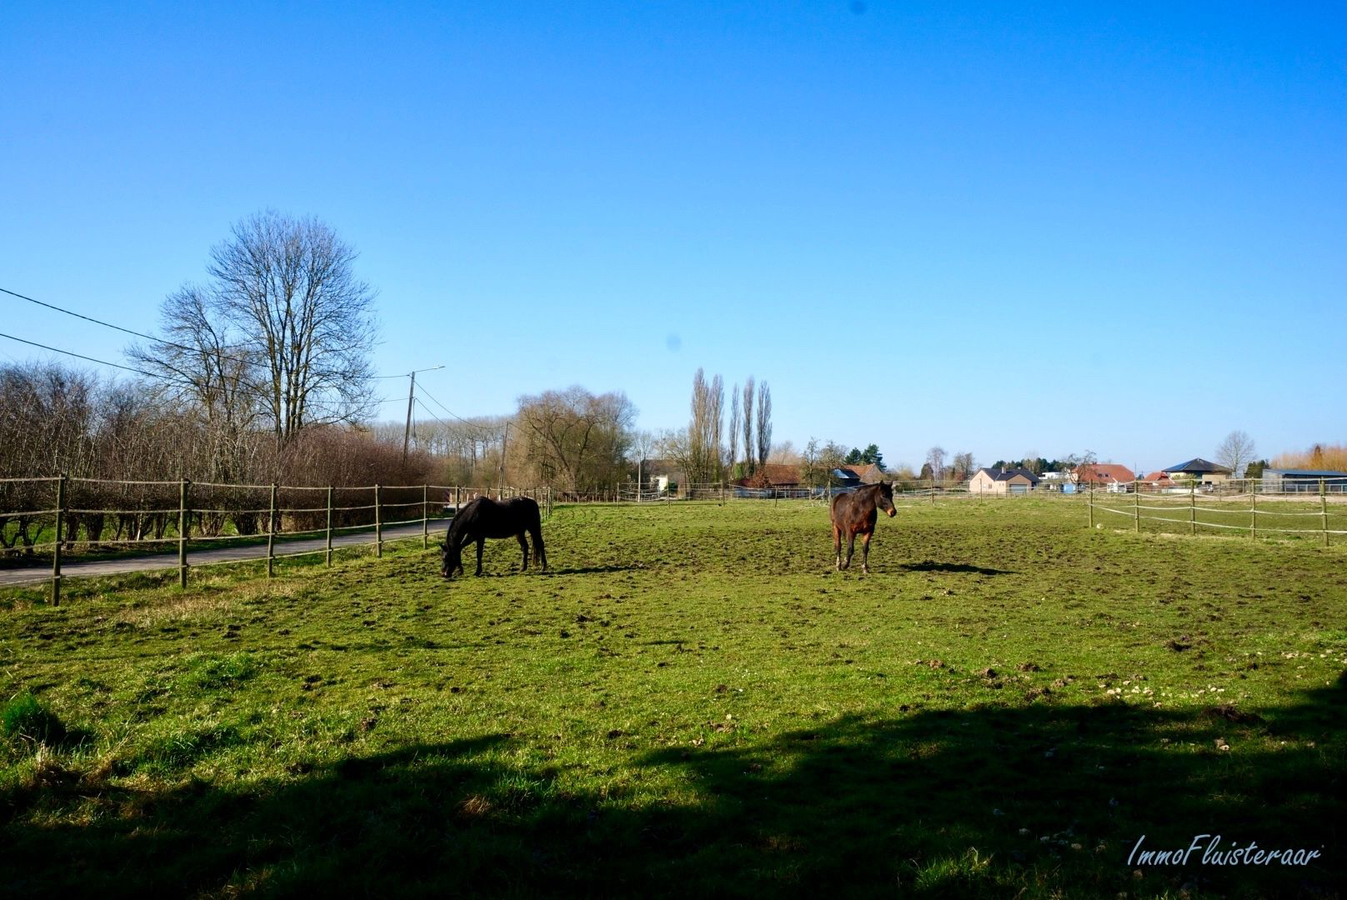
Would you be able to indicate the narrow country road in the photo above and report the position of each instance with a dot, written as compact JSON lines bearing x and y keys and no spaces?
{"x":93,"y":568}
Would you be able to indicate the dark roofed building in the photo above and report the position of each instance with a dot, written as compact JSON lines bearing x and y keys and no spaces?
{"x":1199,"y":469}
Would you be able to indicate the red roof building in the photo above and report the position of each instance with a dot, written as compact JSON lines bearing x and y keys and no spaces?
{"x":1103,"y":474}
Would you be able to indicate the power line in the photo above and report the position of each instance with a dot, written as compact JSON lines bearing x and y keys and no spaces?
{"x":101,"y":362}
{"x":148,"y":337}
{"x":448,"y":410}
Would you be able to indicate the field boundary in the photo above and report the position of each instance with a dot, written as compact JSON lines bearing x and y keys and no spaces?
{"x":1225,"y":513}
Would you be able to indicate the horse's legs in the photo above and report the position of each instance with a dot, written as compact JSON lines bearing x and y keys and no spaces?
{"x":851,"y":548}
{"x":837,"y":545}
{"x":524,"y":545}
{"x":481,"y":542}
{"x":865,"y":552}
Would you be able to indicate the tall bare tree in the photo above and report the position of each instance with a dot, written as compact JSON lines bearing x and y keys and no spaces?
{"x":935,"y":458}
{"x":284,"y":328}
{"x":748,"y":425}
{"x":704,"y":452}
{"x":764,"y":423}
{"x":734,"y":429}
{"x":1235,"y":452}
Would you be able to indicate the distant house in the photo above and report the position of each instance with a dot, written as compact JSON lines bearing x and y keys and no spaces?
{"x":774,"y":475}
{"x":1156,"y":481}
{"x":1103,"y":475}
{"x":658,"y":474}
{"x":1002,"y":481}
{"x":1202,"y":471}
{"x":868,"y":473}
{"x":1303,"y":481}
{"x":843,"y":476}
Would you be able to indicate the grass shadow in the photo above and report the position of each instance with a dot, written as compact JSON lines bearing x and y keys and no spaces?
{"x":1035,"y":800}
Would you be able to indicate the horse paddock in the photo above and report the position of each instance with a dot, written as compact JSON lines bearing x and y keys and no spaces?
{"x":692,"y":699}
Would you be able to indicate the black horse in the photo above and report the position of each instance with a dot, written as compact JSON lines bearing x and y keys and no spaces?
{"x":485,"y":518}
{"x":856,"y":513}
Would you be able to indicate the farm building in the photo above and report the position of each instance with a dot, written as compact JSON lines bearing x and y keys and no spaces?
{"x":868,"y":473}
{"x":1303,"y":481}
{"x":1103,"y":475}
{"x":843,"y":476}
{"x":1156,"y":482}
{"x":772,"y":475}
{"x":1002,"y":481}
{"x":1202,"y":471}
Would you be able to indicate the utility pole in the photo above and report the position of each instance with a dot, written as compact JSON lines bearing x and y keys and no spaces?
{"x":407,"y":433}
{"x":500,"y":482}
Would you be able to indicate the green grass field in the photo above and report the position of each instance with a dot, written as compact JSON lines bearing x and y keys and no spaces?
{"x":692,"y":702}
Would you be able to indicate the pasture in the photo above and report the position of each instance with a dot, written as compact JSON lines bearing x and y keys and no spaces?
{"x":691,"y":701}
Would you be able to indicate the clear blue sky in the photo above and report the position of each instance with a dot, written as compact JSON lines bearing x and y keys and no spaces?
{"x":1002,"y":228}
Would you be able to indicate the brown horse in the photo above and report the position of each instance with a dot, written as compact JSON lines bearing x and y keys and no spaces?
{"x":856,"y":513}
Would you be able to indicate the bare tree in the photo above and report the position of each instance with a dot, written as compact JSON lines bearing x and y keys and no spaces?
{"x":643,"y":444}
{"x":734,"y":429}
{"x":748,"y":426}
{"x":284,"y":322}
{"x":574,"y":439}
{"x":809,"y":462}
{"x":764,"y":423}
{"x":704,"y":452}
{"x":935,"y":458}
{"x":1235,"y":452}
{"x":964,"y":466}
{"x":211,"y":370}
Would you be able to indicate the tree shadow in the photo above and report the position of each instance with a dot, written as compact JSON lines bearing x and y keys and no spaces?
{"x":1040,"y":799}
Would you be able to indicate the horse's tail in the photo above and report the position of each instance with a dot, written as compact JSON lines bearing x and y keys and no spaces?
{"x":536,"y":532}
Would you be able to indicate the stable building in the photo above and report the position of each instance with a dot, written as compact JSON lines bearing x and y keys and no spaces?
{"x":1199,"y":470}
{"x":1303,"y":481}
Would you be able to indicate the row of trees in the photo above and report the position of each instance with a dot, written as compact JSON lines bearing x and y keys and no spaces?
{"x":705,"y":450}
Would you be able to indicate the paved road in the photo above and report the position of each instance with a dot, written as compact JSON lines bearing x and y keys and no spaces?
{"x":92,"y":568}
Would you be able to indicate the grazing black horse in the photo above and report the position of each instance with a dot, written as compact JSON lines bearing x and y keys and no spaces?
{"x":856,"y":513}
{"x":485,"y":518}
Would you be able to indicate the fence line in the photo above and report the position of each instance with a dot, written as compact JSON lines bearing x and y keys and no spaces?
{"x":171,"y":512}
{"x":1236,"y":504}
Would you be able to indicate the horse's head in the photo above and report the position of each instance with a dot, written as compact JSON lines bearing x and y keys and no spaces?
{"x":451,"y":560}
{"x":885,"y":499}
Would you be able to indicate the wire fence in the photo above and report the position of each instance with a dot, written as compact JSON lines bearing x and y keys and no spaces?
{"x":65,"y":517}
{"x":70,"y":517}
{"x":1287,"y":514}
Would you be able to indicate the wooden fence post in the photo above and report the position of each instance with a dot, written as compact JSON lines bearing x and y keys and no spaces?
{"x":271,"y":534}
{"x":1192,"y":510}
{"x":1323,"y":510}
{"x":329,"y":526}
{"x":182,"y":533}
{"x":1089,"y":502}
{"x":1253,"y":517}
{"x":1136,"y":505}
{"x":56,"y":553}
{"x":425,"y":517}
{"x":378,"y":525}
